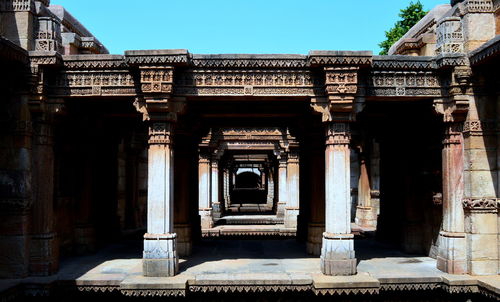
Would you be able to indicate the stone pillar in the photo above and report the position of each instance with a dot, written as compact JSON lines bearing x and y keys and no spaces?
{"x":160,"y":252}
{"x":214,"y":188}
{"x":293,"y":185}
{"x":316,"y":225}
{"x":227,"y":194}
{"x":43,"y":246}
{"x":282,"y":187}
{"x":15,"y":184}
{"x":337,"y":252}
{"x":451,"y":255}
{"x":365,"y":214}
{"x":269,"y":182}
{"x":205,"y":210}
{"x":375,"y":177}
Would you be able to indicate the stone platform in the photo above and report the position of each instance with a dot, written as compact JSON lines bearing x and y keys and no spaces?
{"x":255,"y":266}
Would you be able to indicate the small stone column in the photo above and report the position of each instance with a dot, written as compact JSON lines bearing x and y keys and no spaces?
{"x":214,"y":188}
{"x":337,"y":252}
{"x":160,"y":251}
{"x":365,"y":214}
{"x":282,"y":187}
{"x":293,"y":183}
{"x":204,"y":210}
{"x":269,"y":182}
{"x":375,"y":177}
{"x":227,"y":193}
{"x":451,"y":255}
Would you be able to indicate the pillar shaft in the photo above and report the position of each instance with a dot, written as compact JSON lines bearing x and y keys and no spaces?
{"x":451,"y":257}
{"x":282,"y":187}
{"x":160,"y":255}
{"x":293,"y":197}
{"x":337,"y":253}
{"x":214,"y":188}
{"x":205,"y":209}
{"x":365,"y":213}
{"x":43,"y":248}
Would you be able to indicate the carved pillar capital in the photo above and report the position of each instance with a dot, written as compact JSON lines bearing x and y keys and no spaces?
{"x":453,"y":133}
{"x":160,"y":133}
{"x":338,"y":134}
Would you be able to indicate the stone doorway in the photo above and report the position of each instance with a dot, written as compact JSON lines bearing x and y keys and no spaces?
{"x":247,"y":179}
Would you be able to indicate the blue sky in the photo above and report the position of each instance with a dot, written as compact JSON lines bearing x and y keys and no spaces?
{"x":239,"y":26}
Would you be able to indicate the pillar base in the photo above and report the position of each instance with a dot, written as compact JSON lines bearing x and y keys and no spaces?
{"x":184,"y":241}
{"x":44,"y":255}
{"x":291,"y":215}
{"x":280,"y":209}
{"x":160,"y":255}
{"x":337,"y":255}
{"x":216,"y":211}
{"x":206,"y":220}
{"x":451,"y":257}
{"x":85,"y":241}
{"x":315,"y":238}
{"x":366,"y":217}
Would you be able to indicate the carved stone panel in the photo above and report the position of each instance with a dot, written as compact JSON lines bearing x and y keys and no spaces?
{"x":404,"y":83}
{"x":247,"y":82}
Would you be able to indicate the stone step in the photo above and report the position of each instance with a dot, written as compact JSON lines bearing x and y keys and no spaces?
{"x":249,"y":219}
{"x":248,"y":230}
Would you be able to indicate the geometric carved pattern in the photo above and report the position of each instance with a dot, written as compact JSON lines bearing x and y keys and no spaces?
{"x":16,"y":5}
{"x":156,"y":79}
{"x":341,"y":82}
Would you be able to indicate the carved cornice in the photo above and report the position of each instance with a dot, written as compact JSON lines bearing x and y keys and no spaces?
{"x":451,"y":60}
{"x":486,"y":52}
{"x":410,"y":44}
{"x":403,"y":62}
{"x":94,"y":62}
{"x":12,"y":52}
{"x":249,"y":61}
{"x":328,"y":58}
{"x":481,"y":204}
{"x":173,"y":57}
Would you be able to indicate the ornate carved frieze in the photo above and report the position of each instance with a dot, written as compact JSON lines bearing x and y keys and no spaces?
{"x":17,"y":6}
{"x":247,"y":82}
{"x":481,"y":204}
{"x":450,"y":37}
{"x":404,"y":83}
{"x":93,"y":83}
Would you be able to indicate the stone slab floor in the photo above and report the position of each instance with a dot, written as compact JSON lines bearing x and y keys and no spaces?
{"x":236,"y":261}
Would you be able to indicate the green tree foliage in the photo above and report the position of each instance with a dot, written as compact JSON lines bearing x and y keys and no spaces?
{"x":409,"y":17}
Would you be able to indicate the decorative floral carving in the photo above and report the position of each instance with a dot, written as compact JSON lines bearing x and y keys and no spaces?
{"x":450,"y":36}
{"x":156,"y":79}
{"x":404,"y":83}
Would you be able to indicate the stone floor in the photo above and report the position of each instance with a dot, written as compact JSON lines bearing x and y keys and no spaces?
{"x":259,"y":265}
